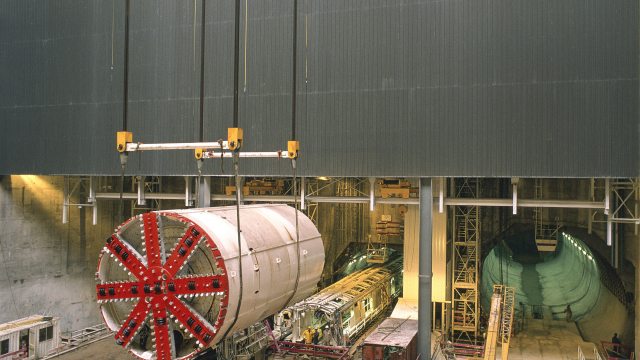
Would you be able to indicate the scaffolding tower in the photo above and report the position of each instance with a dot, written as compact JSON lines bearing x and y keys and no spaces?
{"x":466,"y":263}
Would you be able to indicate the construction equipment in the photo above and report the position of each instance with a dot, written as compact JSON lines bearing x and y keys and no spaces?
{"x":169,"y":280}
{"x":396,"y":187}
{"x":466,"y":265}
{"x":259,"y":187}
{"x":493,"y":327}
{"x":500,"y":322}
{"x":350,"y":305}
{"x":377,"y":252}
{"x":508,"y":298}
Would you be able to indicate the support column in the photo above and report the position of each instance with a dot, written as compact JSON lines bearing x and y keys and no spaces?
{"x":514,"y":185}
{"x":303,"y":193}
{"x":637,"y":300}
{"x":141,"y":186}
{"x":93,"y":184}
{"x":372,"y":194}
{"x":424,"y":275}
{"x":205,"y":191}
{"x":65,"y":194}
{"x":608,"y":211}
{"x":187,"y":191}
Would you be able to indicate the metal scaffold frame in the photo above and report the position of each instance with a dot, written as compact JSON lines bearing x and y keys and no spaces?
{"x":546,"y":232}
{"x":83,"y":187}
{"x":466,"y":264}
{"x":309,"y":185}
{"x":621,"y":201}
{"x":146,"y":185}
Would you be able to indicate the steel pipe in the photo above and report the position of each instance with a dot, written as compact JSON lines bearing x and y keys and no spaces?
{"x":372,"y":194}
{"x":425,"y":273}
{"x":569,"y":204}
{"x":263,"y":154}
{"x":172,"y":276}
{"x":174,"y":146}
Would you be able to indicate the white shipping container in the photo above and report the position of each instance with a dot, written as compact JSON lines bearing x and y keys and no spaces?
{"x":40,"y":334}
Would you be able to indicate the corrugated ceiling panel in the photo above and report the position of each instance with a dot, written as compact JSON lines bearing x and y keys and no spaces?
{"x":385,"y":88}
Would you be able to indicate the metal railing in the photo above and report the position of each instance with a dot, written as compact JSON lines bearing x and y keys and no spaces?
{"x":80,"y":336}
{"x":75,"y":339}
{"x":340,"y":353}
{"x":437,"y":353}
{"x":616,"y":351}
{"x":580,"y":353}
{"x":452,"y":350}
{"x":16,"y":355}
{"x":596,"y":353}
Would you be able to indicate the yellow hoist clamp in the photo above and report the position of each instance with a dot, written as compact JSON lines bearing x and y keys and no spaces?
{"x":123,"y":138}
{"x":199,"y":153}
{"x":234,"y":138}
{"x":293,"y":148}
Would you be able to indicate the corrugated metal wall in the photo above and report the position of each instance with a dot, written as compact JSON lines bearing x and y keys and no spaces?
{"x":540,"y":88}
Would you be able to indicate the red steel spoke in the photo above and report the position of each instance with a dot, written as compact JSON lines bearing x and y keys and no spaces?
{"x":132,"y":324}
{"x":161,"y":332}
{"x":151,"y":240}
{"x":183,"y":250}
{"x":199,"y":327}
{"x":121,"y":290}
{"x":157,"y":289}
{"x":125,"y":256}
{"x":198,"y":285}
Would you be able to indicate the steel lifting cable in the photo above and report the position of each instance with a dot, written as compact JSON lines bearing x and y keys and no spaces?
{"x":293,"y":138}
{"x":237,"y":178}
{"x":236,"y":156}
{"x":295,"y":200}
{"x":198,"y":183}
{"x":121,"y":205}
{"x":124,"y":155}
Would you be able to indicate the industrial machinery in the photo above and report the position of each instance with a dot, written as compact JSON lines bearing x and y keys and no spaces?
{"x":500,"y":322}
{"x":170,"y":281}
{"x":378,"y":252}
{"x":396,"y":187}
{"x":260,"y":187}
{"x":349,"y":305}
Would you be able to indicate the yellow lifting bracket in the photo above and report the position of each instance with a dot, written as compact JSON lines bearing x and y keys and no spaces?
{"x":234,"y":138}
{"x":199,"y":153}
{"x":124,"y":137}
{"x":293,"y":148}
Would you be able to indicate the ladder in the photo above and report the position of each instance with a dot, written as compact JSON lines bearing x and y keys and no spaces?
{"x":493,"y":328}
{"x":508,"y":299}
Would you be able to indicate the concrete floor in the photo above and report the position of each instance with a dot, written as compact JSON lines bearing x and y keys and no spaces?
{"x":105,"y":349}
{"x":548,"y":339}
{"x":545,"y":339}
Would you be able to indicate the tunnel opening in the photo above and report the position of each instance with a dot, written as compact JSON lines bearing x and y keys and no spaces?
{"x":547,"y":282}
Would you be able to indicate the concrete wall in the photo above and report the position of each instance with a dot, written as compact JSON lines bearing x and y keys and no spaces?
{"x":47,"y":267}
{"x":607,"y":317}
